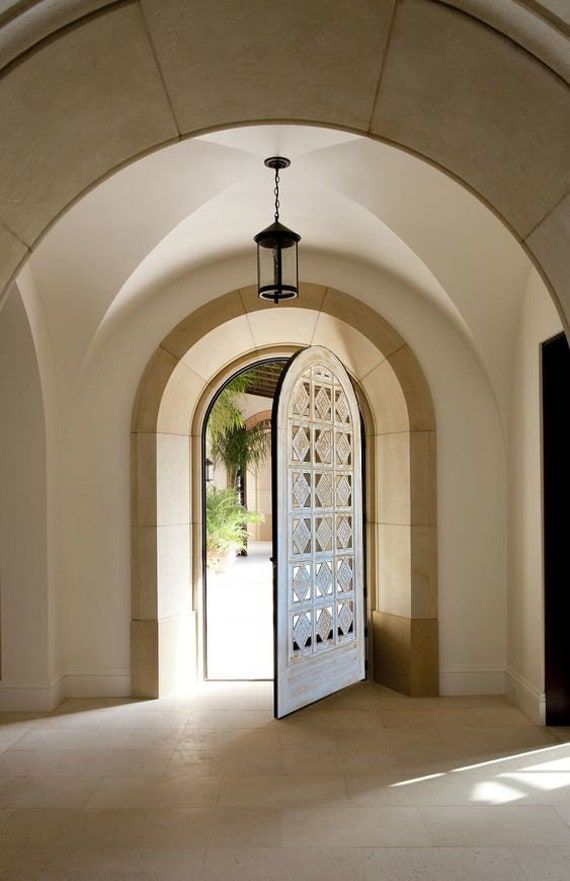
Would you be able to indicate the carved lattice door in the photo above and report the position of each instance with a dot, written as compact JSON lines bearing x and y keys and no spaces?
{"x":318,"y":545}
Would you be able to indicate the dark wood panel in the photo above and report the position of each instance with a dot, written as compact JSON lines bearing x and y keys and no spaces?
{"x":556,"y":483}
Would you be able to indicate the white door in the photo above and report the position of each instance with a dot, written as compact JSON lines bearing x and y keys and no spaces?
{"x":318,"y":545}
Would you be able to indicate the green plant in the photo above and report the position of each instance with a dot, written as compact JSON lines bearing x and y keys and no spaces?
{"x":226,"y":524}
{"x":225,"y":414}
{"x":240,"y":449}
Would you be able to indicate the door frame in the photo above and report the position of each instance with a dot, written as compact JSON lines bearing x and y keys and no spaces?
{"x":555,"y":423}
{"x":173,"y":394}
{"x":203,"y":489}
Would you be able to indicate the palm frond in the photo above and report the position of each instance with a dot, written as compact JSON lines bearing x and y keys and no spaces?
{"x":225,"y":414}
{"x":241,"y":449}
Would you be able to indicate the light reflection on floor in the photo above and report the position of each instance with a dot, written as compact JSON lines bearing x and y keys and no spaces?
{"x":366,"y":785}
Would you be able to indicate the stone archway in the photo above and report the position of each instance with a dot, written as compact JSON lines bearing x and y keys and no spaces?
{"x":85,"y":91}
{"x":179,"y":382}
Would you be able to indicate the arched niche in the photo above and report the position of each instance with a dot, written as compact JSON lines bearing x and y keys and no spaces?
{"x":184,"y":373}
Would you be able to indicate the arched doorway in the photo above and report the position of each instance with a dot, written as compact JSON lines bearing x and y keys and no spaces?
{"x":237,"y":576}
{"x":400,"y":481}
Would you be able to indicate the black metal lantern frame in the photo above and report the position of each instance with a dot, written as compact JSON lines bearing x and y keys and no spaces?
{"x":277,"y":251}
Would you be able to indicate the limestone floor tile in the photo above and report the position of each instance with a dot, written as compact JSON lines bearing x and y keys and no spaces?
{"x":118,"y":721}
{"x":457,"y":755}
{"x":37,"y":828}
{"x":98,"y":739}
{"x":383,"y":739}
{"x":232,"y":697}
{"x":363,"y":696}
{"x":49,"y":763}
{"x":282,"y":864}
{"x":272,"y":762}
{"x":25,"y":865}
{"x":121,"y":864}
{"x":356,"y":787}
{"x":282,"y":791}
{"x":432,"y":718}
{"x":422,"y":759}
{"x":230,"y":718}
{"x":82,"y":704}
{"x":153,"y":714}
{"x":365,"y":759}
{"x":246,"y":827}
{"x":154,"y":792}
{"x":10,"y":734}
{"x":267,"y":737}
{"x":143,"y":828}
{"x":543,"y":863}
{"x":507,"y":738}
{"x":442,"y":703}
{"x":438,"y":790}
{"x":503,"y":716}
{"x":440,"y":864}
{"x":502,"y":825}
{"x":543,"y":759}
{"x":538,"y":787}
{"x":46,"y":792}
{"x":377,"y":789}
{"x":384,"y":826}
{"x":560,"y":733}
{"x":140,"y":828}
{"x":346,"y":719}
{"x":20,"y":718}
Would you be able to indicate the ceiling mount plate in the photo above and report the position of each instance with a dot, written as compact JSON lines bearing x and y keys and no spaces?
{"x":277,"y":162}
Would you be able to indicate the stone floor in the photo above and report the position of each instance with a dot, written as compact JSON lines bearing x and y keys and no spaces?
{"x":364,"y":786}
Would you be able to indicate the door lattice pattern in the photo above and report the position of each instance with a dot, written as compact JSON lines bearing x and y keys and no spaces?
{"x":320,"y":451}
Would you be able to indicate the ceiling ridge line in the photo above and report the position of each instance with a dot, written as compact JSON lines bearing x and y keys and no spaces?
{"x":15,"y":236}
{"x":550,"y":211}
{"x":383,"y":60}
{"x":154,"y":54}
{"x":247,"y":321}
{"x":319,"y":312}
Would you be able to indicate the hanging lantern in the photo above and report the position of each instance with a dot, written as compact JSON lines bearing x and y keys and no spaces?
{"x":277,"y":268}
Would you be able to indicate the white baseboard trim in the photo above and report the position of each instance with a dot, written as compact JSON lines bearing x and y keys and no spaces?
{"x":108,"y":683}
{"x":31,"y":697}
{"x":526,"y":696}
{"x":44,"y":697}
{"x":483,"y":679}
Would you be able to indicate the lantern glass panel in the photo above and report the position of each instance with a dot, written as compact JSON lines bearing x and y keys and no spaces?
{"x":277,"y":270}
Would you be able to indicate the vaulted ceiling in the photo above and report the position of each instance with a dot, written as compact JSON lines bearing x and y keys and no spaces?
{"x":201,"y":201}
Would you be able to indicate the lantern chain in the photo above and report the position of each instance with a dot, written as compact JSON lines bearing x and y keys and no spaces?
{"x":276,"y":194}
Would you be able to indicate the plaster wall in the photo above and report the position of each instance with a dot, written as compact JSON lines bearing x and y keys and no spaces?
{"x":525,"y":677}
{"x":27,"y":672}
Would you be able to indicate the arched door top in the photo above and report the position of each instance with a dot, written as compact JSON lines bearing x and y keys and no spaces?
{"x":400,"y":479}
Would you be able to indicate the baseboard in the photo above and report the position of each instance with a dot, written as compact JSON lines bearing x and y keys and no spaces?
{"x":109,"y":683}
{"x":483,"y":679}
{"x":34,"y":697}
{"x":31,"y":697}
{"x":524,"y":695}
